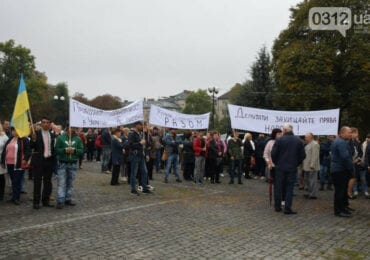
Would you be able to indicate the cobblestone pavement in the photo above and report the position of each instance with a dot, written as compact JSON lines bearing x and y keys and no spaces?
{"x":181,"y":221}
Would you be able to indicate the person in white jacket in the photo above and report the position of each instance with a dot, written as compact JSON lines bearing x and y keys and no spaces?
{"x":3,"y":139}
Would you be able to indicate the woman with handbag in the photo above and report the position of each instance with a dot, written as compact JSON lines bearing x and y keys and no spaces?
{"x":3,"y":139}
{"x":15,"y":156}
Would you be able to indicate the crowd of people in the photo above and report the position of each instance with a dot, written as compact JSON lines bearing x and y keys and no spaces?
{"x":132,"y":154}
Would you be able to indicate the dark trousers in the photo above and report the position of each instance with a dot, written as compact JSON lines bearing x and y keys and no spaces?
{"x":2,"y":186}
{"x":188,"y":171}
{"x":340,"y":181}
{"x":42,"y":173}
{"x":98,"y":154}
{"x":214,"y":173}
{"x":115,"y":174}
{"x":236,"y":165}
{"x":150,"y":166}
{"x":287,"y":179}
{"x":247,"y":166}
{"x":16,"y":176}
{"x":90,"y":154}
{"x":259,"y":169}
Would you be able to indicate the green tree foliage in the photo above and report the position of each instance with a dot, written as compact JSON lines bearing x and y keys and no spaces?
{"x":197,"y":103}
{"x":14,"y":60}
{"x":257,"y":92}
{"x":322,"y":69}
{"x":260,"y":87}
{"x":107,"y":102}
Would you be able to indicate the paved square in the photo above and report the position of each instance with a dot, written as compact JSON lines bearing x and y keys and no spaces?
{"x":181,"y":221}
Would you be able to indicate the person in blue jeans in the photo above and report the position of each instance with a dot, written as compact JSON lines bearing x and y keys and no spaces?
{"x":172,"y":148}
{"x":287,"y":154}
{"x":16,"y":152}
{"x":136,"y":142}
{"x":68,"y":148}
{"x":325,"y":176}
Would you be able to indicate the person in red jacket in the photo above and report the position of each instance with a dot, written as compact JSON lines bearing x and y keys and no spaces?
{"x":199,"y":147}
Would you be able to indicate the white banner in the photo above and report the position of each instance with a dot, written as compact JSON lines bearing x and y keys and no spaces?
{"x":167,"y":118}
{"x":321,"y":122}
{"x":81,"y":115}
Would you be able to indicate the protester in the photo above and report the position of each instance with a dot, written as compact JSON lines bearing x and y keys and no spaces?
{"x":188,"y":157}
{"x":125,"y":166}
{"x":287,"y":154}
{"x":275,"y":134}
{"x":212,"y":154}
{"x":136,"y":142}
{"x":15,"y":154}
{"x":259,"y":169}
{"x":68,"y":148}
{"x":199,"y":147}
{"x":220,"y":156}
{"x":158,"y":148}
{"x":90,"y":145}
{"x":360,"y":169}
{"x":98,"y":146}
{"x":325,"y":176}
{"x":150,"y":152}
{"x":3,"y":140}
{"x":82,"y":136}
{"x":249,"y":155}
{"x":172,"y":148}
{"x":117,"y":155}
{"x":236,"y":157}
{"x":311,"y":165}
{"x":342,"y":169}
{"x":43,"y":163}
{"x":106,"y":140}
{"x":6,"y":128}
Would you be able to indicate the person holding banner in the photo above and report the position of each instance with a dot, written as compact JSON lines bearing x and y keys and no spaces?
{"x":69,"y":149}
{"x":136,"y":143}
{"x":236,"y":157}
{"x":172,"y":148}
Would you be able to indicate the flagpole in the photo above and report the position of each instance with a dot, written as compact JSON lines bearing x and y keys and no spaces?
{"x":31,"y":121}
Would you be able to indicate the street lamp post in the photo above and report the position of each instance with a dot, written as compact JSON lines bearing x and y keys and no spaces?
{"x":213,"y":91}
{"x":60,"y":98}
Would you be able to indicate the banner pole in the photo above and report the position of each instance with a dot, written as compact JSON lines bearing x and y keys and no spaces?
{"x":31,"y":121}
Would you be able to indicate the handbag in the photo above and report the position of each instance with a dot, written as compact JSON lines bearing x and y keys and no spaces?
{"x":164,"y":156}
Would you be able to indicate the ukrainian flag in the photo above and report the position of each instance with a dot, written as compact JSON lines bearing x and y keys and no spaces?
{"x":20,"y":116}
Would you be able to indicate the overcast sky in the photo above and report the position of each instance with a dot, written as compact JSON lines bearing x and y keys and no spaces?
{"x":144,"y":48}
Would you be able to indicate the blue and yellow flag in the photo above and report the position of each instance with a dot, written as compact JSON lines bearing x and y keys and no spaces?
{"x":20,"y":115}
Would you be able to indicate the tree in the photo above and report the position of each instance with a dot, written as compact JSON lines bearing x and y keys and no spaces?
{"x":257,"y":92}
{"x":197,"y":103}
{"x":80,"y":97}
{"x":322,"y":69}
{"x":261,"y":87}
{"x":14,"y":60}
{"x":106,"y":102}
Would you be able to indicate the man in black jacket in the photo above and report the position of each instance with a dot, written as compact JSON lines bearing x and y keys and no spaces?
{"x":136,"y":142}
{"x":287,"y":154}
{"x":106,"y":140}
{"x":43,"y":163}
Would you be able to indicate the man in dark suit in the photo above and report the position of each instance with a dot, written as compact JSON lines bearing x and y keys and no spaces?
{"x":43,"y":163}
{"x":287,"y":154}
